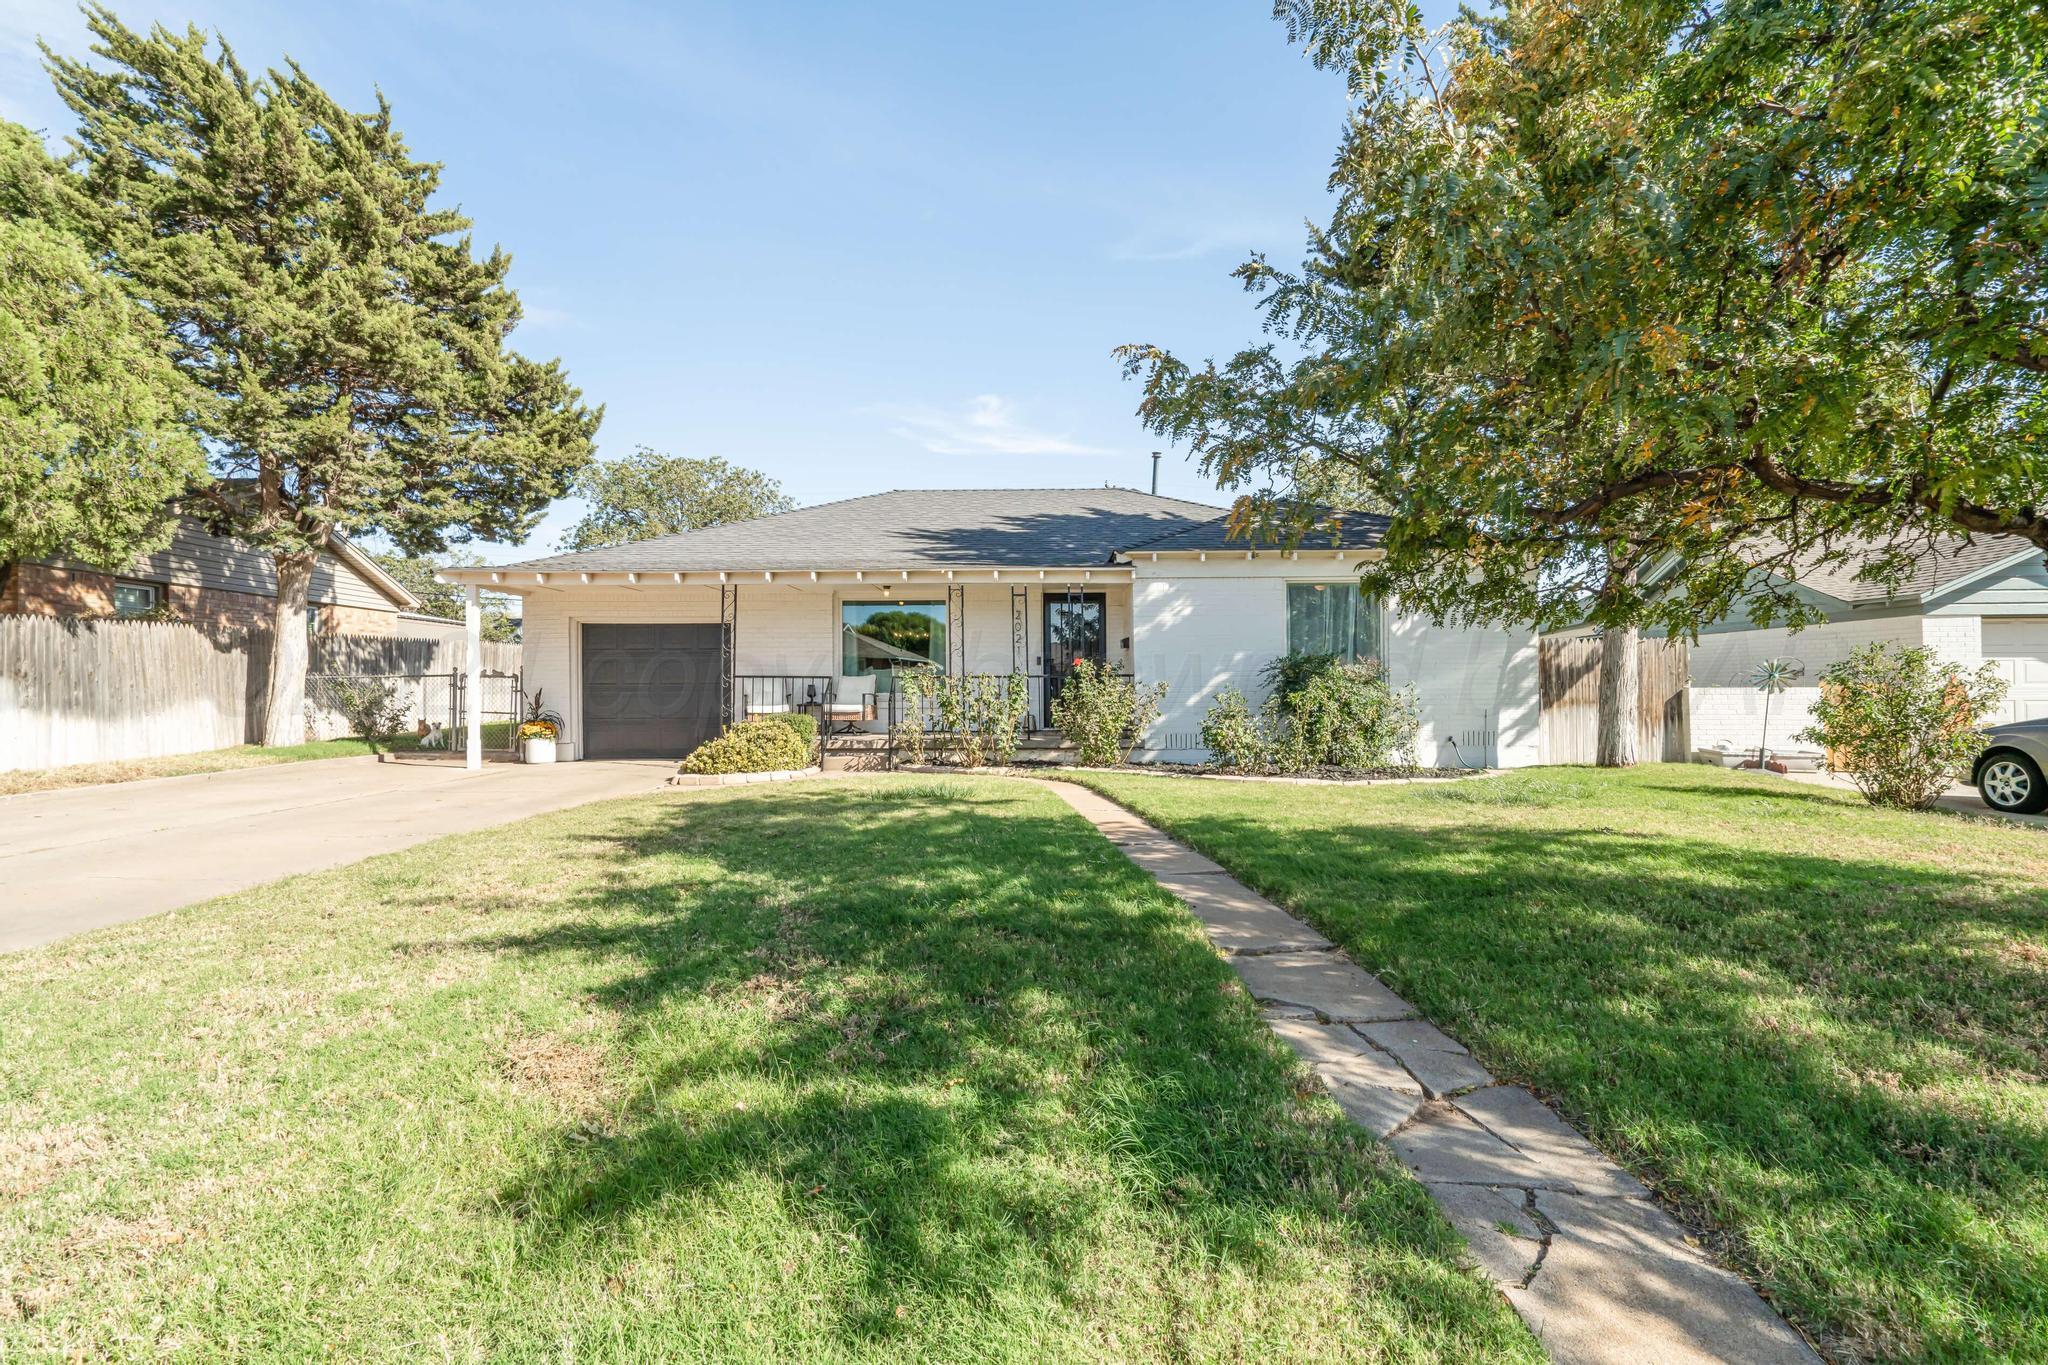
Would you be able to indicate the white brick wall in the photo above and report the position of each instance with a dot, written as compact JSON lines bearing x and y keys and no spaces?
{"x":1728,"y":713}
{"x":1958,"y":639}
{"x":1197,"y":627}
{"x":782,"y":628}
{"x":989,"y":612}
{"x":551,"y":656}
{"x":1201,"y":627}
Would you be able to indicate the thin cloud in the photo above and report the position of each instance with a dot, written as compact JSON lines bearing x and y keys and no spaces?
{"x":989,"y":425}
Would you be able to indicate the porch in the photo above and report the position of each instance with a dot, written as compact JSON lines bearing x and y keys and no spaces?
{"x":861,"y":711}
{"x":651,"y":666}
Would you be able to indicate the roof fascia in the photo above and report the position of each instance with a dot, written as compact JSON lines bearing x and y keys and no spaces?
{"x":369,"y":570}
{"x":1977,"y":576}
{"x":1234,"y":552}
{"x":517,"y":578}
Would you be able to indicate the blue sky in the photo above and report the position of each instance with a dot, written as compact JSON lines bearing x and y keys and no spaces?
{"x":856,"y":246}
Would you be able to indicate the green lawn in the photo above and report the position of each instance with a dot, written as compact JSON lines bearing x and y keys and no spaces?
{"x":1820,"y":1028}
{"x":183,"y":765}
{"x":497,"y":736}
{"x":899,"y":1068}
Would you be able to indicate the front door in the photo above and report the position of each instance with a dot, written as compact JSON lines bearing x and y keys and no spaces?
{"x":1076,"y":628}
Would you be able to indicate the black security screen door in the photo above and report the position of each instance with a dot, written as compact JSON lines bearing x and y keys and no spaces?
{"x":1076,"y":627}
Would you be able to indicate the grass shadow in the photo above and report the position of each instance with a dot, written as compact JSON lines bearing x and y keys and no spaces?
{"x":952,"y":1032}
{"x":1831,"y":1058}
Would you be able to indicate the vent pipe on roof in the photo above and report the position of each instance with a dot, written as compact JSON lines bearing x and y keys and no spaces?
{"x":1155,"y":473}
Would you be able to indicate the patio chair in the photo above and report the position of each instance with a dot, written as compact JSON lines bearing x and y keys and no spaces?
{"x":850,"y":702}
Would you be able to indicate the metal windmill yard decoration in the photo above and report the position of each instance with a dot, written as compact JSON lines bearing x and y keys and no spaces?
{"x":1771,"y":677}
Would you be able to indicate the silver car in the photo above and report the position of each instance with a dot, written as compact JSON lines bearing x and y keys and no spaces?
{"x":2009,"y":772}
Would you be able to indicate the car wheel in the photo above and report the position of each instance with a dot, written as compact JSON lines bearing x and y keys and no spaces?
{"x":2012,"y":783}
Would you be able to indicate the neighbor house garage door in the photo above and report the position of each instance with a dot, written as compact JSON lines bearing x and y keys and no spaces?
{"x":2019,"y":648}
{"x":648,"y":691}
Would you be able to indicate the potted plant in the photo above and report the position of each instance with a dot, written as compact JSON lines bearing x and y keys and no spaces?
{"x":538,"y":733}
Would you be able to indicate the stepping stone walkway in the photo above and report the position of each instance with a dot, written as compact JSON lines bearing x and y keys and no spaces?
{"x":1574,"y":1242}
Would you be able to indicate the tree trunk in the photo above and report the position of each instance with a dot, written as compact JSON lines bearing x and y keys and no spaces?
{"x":284,"y":712}
{"x":1621,"y":685}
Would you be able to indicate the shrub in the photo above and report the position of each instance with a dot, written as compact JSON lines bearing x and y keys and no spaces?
{"x":373,"y":707}
{"x":1289,"y":676}
{"x":805,"y":725}
{"x":1235,"y":734}
{"x":1348,"y":717}
{"x":1104,"y":713}
{"x":981,"y":713}
{"x":760,"y":745}
{"x":1900,"y":724}
{"x":1325,"y":713}
{"x":913,"y":687}
{"x":984,"y":714}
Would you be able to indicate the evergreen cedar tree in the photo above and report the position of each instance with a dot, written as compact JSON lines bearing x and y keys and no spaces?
{"x":649,"y":494}
{"x":349,"y":348}
{"x":94,"y":442}
{"x":1615,"y":287}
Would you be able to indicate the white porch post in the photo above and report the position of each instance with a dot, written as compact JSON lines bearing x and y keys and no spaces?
{"x":473,"y":637}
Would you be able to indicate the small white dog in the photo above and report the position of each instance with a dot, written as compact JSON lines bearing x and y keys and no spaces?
{"x":435,"y":737}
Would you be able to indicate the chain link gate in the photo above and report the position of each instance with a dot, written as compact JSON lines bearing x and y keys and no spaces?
{"x":415,"y":705}
{"x":500,"y":704}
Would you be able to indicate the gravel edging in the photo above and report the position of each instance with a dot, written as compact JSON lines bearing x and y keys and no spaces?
{"x":741,"y":779}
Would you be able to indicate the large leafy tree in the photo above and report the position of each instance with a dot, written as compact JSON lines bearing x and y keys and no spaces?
{"x":1712,"y":289}
{"x":351,"y":345}
{"x":649,"y":494}
{"x":94,"y":446}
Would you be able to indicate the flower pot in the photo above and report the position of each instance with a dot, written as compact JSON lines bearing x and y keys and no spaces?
{"x":537,"y":750}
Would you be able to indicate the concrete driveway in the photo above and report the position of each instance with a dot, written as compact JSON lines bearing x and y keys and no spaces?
{"x":80,"y":858}
{"x":1959,"y":798}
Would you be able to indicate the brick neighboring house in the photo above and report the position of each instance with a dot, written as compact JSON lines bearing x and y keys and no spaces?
{"x":220,"y":583}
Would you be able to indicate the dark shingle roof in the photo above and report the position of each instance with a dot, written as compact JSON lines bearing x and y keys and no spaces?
{"x":1333,"y":530}
{"x":1949,"y":560}
{"x":913,"y":528}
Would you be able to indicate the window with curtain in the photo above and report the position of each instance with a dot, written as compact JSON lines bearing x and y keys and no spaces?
{"x":1332,"y":618}
{"x":881,"y":637}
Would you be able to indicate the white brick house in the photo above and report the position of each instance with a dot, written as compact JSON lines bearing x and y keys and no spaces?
{"x":1971,"y":602}
{"x":645,"y":649}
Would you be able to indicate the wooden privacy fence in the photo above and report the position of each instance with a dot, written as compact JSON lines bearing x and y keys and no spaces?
{"x":364,"y":654}
{"x":90,"y":691}
{"x":1570,"y":691}
{"x":78,"y":691}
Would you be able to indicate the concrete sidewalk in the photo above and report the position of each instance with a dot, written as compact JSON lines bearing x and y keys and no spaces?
{"x":1602,"y":1275}
{"x":84,"y":857}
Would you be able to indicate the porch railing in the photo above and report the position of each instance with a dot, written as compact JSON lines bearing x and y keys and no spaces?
{"x":1041,"y":688}
{"x":757,"y":694}
{"x":881,"y":710}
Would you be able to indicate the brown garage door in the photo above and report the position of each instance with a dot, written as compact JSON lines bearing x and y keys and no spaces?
{"x":648,"y":691}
